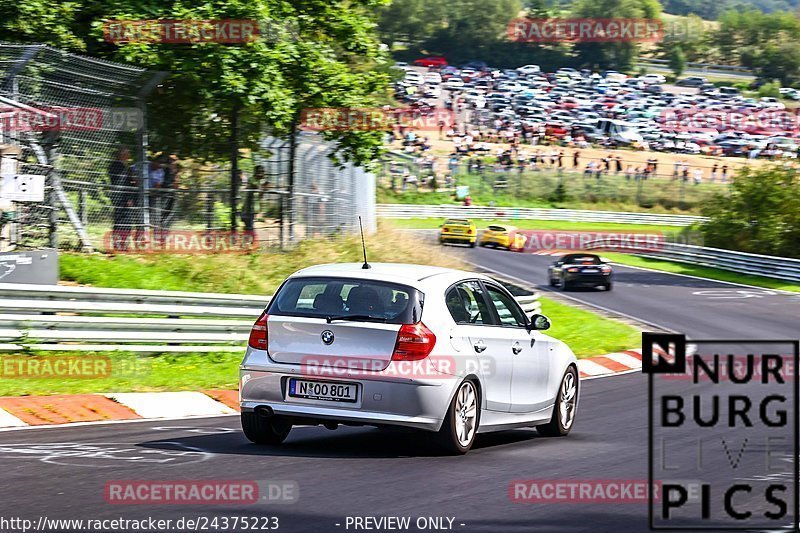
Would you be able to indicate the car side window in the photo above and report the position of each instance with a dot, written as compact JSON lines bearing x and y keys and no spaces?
{"x":508,"y":310}
{"x":467,"y":304}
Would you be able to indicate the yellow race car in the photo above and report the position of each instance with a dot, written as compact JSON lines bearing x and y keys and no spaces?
{"x":458,"y":230}
{"x":499,"y":236}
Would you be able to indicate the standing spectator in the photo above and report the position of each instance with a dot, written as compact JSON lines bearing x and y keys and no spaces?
{"x":249,"y":205}
{"x":629,"y":172}
{"x":619,"y":164}
{"x":123,"y":198}
{"x":576,"y":159}
{"x":698,"y":176}
{"x":441,"y":129}
{"x":653,"y":163}
{"x":714,"y":173}
{"x":171,"y":176}
{"x":724,"y":173}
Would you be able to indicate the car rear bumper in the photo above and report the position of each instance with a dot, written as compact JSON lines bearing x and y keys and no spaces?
{"x":383,"y":399}
{"x":589,"y":280}
{"x":450,"y":237}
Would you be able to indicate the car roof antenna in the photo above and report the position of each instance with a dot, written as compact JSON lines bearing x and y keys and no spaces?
{"x":366,"y":265}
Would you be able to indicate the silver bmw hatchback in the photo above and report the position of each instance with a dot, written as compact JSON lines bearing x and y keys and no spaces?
{"x":428,"y":348}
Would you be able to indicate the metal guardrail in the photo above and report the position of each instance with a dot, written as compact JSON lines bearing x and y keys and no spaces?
{"x":769,"y":266}
{"x":106,"y":319}
{"x":531,"y":213}
{"x":703,"y":66}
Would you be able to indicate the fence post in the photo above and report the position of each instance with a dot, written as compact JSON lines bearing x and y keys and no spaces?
{"x":82,"y":214}
{"x":53,"y":218}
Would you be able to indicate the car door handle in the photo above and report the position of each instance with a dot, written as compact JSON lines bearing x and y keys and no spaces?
{"x":516,"y":348}
{"x":479,"y":346}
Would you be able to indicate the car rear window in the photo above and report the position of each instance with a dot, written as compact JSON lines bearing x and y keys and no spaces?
{"x":497,"y":228}
{"x":457,"y":221}
{"x":582,"y":260}
{"x":322,"y":297}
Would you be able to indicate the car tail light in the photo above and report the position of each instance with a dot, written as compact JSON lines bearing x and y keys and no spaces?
{"x":414,"y":342}
{"x":445,"y":230}
{"x":258,"y":335}
{"x":605,"y":269}
{"x":573,"y":269}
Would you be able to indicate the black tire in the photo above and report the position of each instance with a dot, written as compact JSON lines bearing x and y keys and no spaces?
{"x":261,"y":430}
{"x":551,"y":281}
{"x":558,"y":426}
{"x":472,"y":244}
{"x":609,"y":286}
{"x":448,"y":439}
{"x":565,"y":286}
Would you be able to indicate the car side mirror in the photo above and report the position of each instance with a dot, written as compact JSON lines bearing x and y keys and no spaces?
{"x":539,"y":323}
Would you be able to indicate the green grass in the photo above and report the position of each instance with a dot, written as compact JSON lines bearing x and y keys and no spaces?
{"x":128,"y":372}
{"x":541,"y":189}
{"x":588,"y":333}
{"x":256,"y":273}
{"x":701,"y":271}
{"x":561,"y":225}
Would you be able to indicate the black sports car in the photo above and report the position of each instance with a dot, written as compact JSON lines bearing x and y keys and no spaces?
{"x":580,"y":270}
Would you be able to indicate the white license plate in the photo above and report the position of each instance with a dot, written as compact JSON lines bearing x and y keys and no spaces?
{"x":590,"y":271}
{"x":323,"y":390}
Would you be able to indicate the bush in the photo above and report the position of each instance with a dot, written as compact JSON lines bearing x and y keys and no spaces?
{"x":761,"y":215}
{"x":770,"y":89}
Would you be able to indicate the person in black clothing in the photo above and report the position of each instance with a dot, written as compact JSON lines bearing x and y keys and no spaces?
{"x":249,"y":207}
{"x":576,"y":159}
{"x":123,"y":198}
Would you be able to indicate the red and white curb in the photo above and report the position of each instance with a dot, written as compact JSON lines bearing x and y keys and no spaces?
{"x":610,"y":364}
{"x":39,"y":411}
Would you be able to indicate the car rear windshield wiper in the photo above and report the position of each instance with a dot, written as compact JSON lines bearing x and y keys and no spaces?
{"x":363,"y":318}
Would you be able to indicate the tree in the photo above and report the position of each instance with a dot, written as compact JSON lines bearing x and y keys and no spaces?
{"x":411,"y":20}
{"x":761,"y":214}
{"x":323,"y":54}
{"x":677,"y":61}
{"x":620,"y":55}
{"x":473,"y":27}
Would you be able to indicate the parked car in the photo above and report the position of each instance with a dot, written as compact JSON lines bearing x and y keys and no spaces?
{"x":580,"y":269}
{"x":529,"y":69}
{"x":691,"y":81}
{"x":431,"y":61}
{"x":653,"y":78}
{"x":428,"y":348}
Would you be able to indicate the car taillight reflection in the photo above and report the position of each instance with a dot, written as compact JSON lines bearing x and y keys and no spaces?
{"x":258,"y":335}
{"x":414,"y":342}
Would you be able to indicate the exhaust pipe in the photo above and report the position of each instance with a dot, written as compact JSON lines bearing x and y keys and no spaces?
{"x":264,"y":411}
